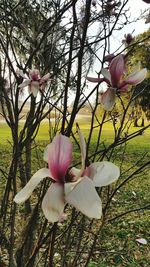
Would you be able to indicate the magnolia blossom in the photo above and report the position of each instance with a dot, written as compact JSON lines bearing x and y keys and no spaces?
{"x":108,"y":58}
{"x":128,"y":39}
{"x":76,"y":187}
{"x":116,"y":79}
{"x":34,"y":82}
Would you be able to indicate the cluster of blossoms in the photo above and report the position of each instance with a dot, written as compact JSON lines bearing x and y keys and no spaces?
{"x":34,"y":81}
{"x":117,"y":80}
{"x":70,"y":185}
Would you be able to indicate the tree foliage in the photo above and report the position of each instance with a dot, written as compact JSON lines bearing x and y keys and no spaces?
{"x":140,"y":52}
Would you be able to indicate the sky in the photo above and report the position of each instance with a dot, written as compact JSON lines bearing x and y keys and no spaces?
{"x":136,"y":7}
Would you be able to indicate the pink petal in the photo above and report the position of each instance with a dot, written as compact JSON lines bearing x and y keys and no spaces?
{"x":45,"y":78}
{"x":53,"y":202}
{"x":95,"y":80}
{"x":109,"y":57}
{"x":34,"y":75}
{"x":117,"y":69}
{"x":123,"y":87}
{"x":136,"y":77}
{"x":108,"y":99}
{"x":59,"y":157}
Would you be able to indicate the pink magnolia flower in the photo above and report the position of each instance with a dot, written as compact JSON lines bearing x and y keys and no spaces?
{"x":34,"y":82}
{"x":76,"y":187}
{"x":128,"y":39}
{"x":117,"y":81}
{"x":108,"y":58}
{"x":115,"y":76}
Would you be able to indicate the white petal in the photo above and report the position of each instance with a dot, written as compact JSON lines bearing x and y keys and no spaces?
{"x":26,"y":192}
{"x":45,"y":78}
{"x":103,"y":173}
{"x":75,"y":172}
{"x":106,"y":74}
{"x":136,"y":77}
{"x":68,"y":187}
{"x":25,"y":83}
{"x":142,"y":241}
{"x":83,"y":196}
{"x":20,"y":73}
{"x":35,"y":91}
{"x":34,"y":88}
{"x":53,"y":202}
{"x":108,"y":99}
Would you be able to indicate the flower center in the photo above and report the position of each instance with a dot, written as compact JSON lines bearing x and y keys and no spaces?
{"x":69,"y":177}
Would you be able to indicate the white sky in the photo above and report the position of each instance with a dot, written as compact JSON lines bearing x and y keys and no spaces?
{"x":136,"y":7}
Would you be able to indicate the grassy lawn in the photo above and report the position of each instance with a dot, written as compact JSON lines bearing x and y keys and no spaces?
{"x":107,"y":132}
{"x":117,"y":245}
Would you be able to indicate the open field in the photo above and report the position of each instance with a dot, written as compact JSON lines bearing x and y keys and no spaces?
{"x":117,"y":245}
{"x":107,"y":132}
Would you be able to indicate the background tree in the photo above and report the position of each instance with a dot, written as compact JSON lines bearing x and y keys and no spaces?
{"x":140,"y":52}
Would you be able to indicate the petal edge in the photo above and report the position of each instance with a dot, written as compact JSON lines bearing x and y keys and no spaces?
{"x":26,"y":192}
{"x":85,"y":198}
{"x":53,"y":202}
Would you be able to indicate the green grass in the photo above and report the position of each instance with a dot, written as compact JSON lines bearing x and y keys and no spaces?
{"x":117,"y":245}
{"x":5,"y":133}
{"x":107,"y":132}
